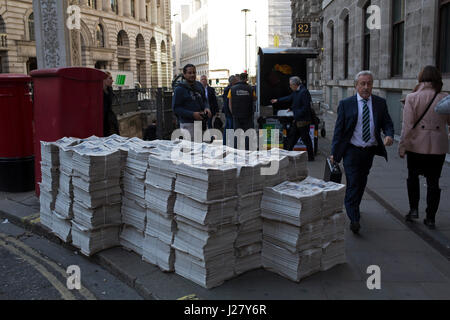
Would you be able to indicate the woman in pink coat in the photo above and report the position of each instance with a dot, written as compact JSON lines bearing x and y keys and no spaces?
{"x":425,"y":145}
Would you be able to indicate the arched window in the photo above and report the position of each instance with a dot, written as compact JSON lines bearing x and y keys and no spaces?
{"x":31,"y":26}
{"x":100,"y":36}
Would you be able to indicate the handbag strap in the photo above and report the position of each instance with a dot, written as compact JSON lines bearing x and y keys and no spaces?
{"x":423,"y":114}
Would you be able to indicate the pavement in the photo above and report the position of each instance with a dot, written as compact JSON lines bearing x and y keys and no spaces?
{"x":414,"y":261}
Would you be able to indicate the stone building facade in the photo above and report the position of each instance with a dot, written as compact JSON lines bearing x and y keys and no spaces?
{"x":309,"y":12}
{"x":411,"y":35}
{"x":128,"y":35}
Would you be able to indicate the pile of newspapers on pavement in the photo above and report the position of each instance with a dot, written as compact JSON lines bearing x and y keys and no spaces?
{"x":206,"y":212}
{"x":303,"y":229}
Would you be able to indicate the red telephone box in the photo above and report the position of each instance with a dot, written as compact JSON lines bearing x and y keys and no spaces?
{"x":68,"y":102}
{"x":16,"y":134}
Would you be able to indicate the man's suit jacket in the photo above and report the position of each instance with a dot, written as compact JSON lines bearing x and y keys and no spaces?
{"x":301,"y":103}
{"x":212,"y":100}
{"x":347,"y":119}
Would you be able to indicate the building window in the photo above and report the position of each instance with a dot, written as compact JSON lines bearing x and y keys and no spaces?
{"x":444,"y":37}
{"x":146,"y":12}
{"x":133,"y":10}
{"x":366,"y":39}
{"x":114,"y":6}
{"x":346,"y":46}
{"x":31,"y":27}
{"x":92,"y":4}
{"x":100,"y":36}
{"x":332,"y":51}
{"x":120,"y":41}
{"x":398,"y":27}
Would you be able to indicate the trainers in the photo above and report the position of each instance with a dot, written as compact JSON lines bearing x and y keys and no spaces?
{"x":355,"y":226}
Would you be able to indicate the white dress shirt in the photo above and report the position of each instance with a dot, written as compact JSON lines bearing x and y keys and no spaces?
{"x":357,"y":138}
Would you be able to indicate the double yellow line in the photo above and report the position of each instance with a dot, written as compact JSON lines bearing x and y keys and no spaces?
{"x":27,"y":253}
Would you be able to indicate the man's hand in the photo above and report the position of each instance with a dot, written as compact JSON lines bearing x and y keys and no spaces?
{"x":198,"y":116}
{"x":208,"y":112}
{"x":388,"y":141}
{"x":331,"y":159}
{"x":273,"y":101}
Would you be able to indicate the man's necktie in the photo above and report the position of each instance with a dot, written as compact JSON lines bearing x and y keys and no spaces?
{"x":366,"y":122}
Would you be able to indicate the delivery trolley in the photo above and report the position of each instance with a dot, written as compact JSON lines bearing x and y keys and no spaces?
{"x":275,"y":67}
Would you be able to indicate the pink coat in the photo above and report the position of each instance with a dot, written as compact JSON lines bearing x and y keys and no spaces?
{"x":429,"y":136}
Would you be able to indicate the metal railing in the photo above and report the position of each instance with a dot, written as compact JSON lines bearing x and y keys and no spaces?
{"x":156,"y":101}
{"x":123,"y":52}
{"x":140,"y":54}
{"x":3,"y":40}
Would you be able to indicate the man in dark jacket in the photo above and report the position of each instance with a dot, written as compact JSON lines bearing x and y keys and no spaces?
{"x":301,"y":106}
{"x":210,"y":95}
{"x":188,"y":102}
{"x":232,"y":80}
{"x":241,"y":97}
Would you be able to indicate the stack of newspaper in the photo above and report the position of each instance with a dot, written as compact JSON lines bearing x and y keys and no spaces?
{"x":97,"y":196}
{"x":275,"y":167}
{"x":298,"y":164}
{"x":293,"y":237}
{"x":160,"y":201}
{"x":134,"y":204}
{"x":63,"y":212}
{"x":205,"y":209}
{"x":204,"y":254}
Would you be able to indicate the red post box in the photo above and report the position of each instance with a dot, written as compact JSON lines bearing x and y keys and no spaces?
{"x":68,"y":102}
{"x":16,"y":134}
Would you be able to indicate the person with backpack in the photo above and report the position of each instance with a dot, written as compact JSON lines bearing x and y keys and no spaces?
{"x":301,"y":106}
{"x":189,"y":102}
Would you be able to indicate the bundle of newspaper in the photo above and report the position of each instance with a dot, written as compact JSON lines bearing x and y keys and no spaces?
{"x":161,"y":172}
{"x":275,"y":167}
{"x":249,"y":207}
{"x":298,"y":164}
{"x":204,"y":254}
{"x":97,"y":196}
{"x":334,"y":227}
{"x":294,"y":203}
{"x":49,"y":184}
{"x":333,"y":253}
{"x":159,"y":235}
{"x":293,"y":238}
{"x":160,"y":200}
{"x":249,"y":178}
{"x":93,"y":241}
{"x":132,"y":239}
{"x":248,"y":245}
{"x":292,"y":265}
{"x":333,"y":194}
{"x":62,"y":227}
{"x":206,"y":180}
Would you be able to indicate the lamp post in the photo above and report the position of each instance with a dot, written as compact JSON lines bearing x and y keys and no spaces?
{"x":245,"y":14}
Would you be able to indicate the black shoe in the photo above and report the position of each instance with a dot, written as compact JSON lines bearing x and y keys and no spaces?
{"x":413,"y":214}
{"x":355,"y":226}
{"x":430,"y":224}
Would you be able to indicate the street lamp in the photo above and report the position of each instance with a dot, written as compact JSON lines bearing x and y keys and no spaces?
{"x":246,"y":35}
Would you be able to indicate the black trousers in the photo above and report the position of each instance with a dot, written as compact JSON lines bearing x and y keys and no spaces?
{"x":430,"y":166}
{"x":297,"y":133}
{"x":357,"y":165}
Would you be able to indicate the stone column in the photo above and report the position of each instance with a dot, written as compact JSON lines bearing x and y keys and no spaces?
{"x":127,"y":8}
{"x":154,"y":12}
{"x":137,"y":12}
{"x":149,"y":12}
{"x":120,"y":7}
{"x":142,"y":10}
{"x":106,"y":5}
{"x":56,"y":45}
{"x":84,"y":3}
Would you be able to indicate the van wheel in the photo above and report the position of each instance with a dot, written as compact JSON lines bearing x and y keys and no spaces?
{"x":323,"y":133}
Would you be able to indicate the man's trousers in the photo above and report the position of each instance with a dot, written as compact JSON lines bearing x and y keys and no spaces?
{"x":357,"y":164}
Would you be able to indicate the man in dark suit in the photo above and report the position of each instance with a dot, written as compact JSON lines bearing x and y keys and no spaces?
{"x":357,"y":139}
{"x":300,"y":100}
{"x":210,"y":94}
